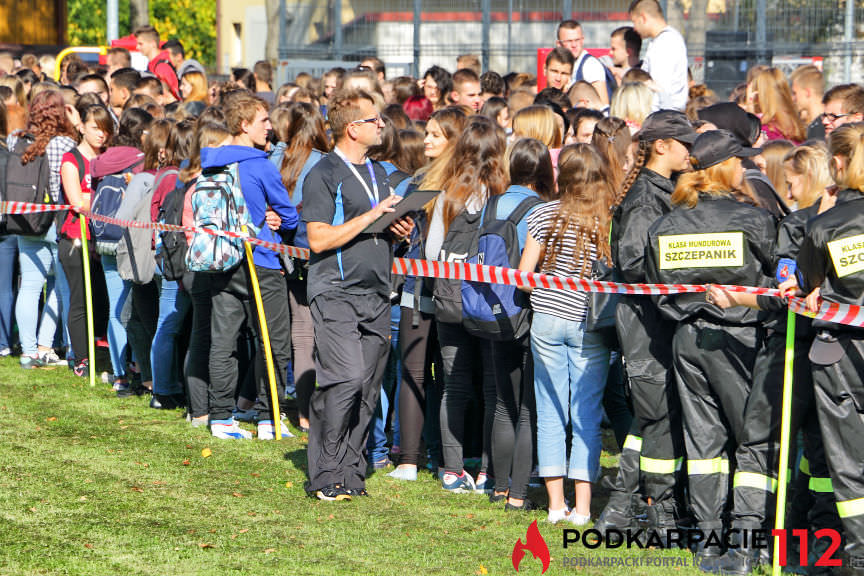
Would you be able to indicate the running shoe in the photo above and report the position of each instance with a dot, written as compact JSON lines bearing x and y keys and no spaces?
{"x":555,"y":516}
{"x":462,"y":484}
{"x":229,"y":430}
{"x":29,"y":362}
{"x":484,"y":484}
{"x":82,"y":369}
{"x":5,"y":352}
{"x":50,"y":358}
{"x":333,"y":492}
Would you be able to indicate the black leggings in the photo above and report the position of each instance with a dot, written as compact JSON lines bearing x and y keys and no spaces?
{"x":73,"y":267}
{"x":417,"y":345}
{"x":514,"y":430}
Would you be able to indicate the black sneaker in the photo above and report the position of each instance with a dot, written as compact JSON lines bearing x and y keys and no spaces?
{"x":527,"y":506}
{"x":357,"y":492}
{"x":83,"y":369}
{"x":333,"y":492}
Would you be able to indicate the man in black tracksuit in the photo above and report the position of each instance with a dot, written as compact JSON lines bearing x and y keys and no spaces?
{"x":720,"y":239}
{"x":831,"y":260}
{"x":654,"y":449}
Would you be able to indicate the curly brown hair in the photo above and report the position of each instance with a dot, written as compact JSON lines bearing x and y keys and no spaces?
{"x":47,"y":120}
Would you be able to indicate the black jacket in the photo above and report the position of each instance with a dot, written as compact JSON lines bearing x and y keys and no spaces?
{"x":720,"y":241}
{"x":838,"y":272}
{"x":790,"y":236}
{"x":647,"y":200}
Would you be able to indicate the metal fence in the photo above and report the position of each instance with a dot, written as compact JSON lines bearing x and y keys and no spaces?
{"x":410,"y":35}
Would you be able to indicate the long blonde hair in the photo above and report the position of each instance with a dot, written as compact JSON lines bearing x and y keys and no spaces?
{"x":584,"y":187}
{"x":774,"y":101}
{"x":811,"y":163}
{"x":632,"y":102}
{"x":538,"y":122}
{"x":717,"y":180}
{"x":847,"y":142}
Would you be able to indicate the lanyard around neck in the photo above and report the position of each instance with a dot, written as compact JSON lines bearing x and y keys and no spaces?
{"x":372,"y":194}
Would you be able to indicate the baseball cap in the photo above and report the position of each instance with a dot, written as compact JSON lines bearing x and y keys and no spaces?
{"x":665,"y":124}
{"x":716,"y":146}
{"x":729,"y":116}
{"x":190,"y":65}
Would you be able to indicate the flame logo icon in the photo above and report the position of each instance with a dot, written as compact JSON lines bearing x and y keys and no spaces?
{"x":535,"y":544}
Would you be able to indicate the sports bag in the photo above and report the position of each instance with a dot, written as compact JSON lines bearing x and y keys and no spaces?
{"x":496,"y":311}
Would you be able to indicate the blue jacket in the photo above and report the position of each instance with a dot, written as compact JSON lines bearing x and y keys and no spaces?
{"x":262,"y":188}
{"x":507,"y":203}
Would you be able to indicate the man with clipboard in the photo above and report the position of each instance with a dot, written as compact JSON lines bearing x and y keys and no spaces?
{"x":349,"y":294}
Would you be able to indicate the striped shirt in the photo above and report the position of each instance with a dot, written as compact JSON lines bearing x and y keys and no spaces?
{"x":566,"y":304}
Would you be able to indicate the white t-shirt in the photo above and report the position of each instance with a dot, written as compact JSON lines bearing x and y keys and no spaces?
{"x":592,"y":71}
{"x":666,"y":62}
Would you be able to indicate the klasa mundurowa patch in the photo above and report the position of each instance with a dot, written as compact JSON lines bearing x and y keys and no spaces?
{"x":714,"y":250}
{"x":847,"y":255}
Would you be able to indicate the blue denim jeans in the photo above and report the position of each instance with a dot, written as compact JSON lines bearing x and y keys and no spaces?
{"x":37,"y":257}
{"x":376,"y":444}
{"x":118,"y":291}
{"x":8,"y":251}
{"x":570,"y":368}
{"x":165,"y":361}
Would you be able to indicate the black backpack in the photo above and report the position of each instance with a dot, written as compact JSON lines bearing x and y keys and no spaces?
{"x":171,"y":258}
{"x":460,"y":243}
{"x":611,"y":83}
{"x":27,"y":183}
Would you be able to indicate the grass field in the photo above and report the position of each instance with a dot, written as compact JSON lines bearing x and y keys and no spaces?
{"x":91,"y":484}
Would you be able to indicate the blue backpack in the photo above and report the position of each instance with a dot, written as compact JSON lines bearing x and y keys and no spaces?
{"x":496,"y":311}
{"x":611,"y":82}
{"x":218,"y":204}
{"x":107,"y":199}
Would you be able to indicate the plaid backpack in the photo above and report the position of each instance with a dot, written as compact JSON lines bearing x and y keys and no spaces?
{"x":218,"y":204}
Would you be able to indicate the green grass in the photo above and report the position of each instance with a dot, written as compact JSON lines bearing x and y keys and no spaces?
{"x":91,"y":484}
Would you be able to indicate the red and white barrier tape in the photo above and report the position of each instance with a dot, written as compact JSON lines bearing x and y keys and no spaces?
{"x":830,"y":312}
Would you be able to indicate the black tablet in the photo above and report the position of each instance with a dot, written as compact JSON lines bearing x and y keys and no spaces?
{"x":410,"y":204}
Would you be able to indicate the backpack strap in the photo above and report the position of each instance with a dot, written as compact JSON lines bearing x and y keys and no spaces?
{"x":79,"y":161}
{"x":171,"y":172}
{"x":523,"y":208}
{"x":490,"y":211}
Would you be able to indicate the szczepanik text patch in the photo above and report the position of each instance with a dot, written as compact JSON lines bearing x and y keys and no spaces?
{"x":847,"y":255}
{"x":717,"y":250}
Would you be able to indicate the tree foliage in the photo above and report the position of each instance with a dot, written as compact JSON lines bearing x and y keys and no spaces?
{"x":193,"y":22}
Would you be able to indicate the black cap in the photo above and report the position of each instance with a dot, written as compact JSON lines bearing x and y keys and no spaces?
{"x":716,"y":146}
{"x":729,"y":116}
{"x":826,"y":349}
{"x":665,"y":124}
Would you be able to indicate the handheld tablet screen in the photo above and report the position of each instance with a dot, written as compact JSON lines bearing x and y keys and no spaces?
{"x":413,"y":202}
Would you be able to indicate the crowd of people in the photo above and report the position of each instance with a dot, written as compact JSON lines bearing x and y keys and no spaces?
{"x":620,"y":169}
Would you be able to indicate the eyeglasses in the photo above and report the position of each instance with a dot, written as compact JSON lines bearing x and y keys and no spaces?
{"x":373,"y":120}
{"x":831,"y":118}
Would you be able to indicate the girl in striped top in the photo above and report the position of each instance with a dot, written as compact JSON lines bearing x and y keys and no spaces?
{"x":570,"y":364}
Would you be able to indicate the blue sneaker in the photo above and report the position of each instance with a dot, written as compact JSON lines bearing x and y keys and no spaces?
{"x":462,"y":484}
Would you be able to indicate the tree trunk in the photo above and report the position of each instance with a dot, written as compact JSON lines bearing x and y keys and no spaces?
{"x":139,"y":13}
{"x":675,"y":15}
{"x":271,"y":46}
{"x":696,"y":26}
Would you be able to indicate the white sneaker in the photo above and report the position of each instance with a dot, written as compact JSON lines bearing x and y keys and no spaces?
{"x":50,"y":358}
{"x":578,"y":519}
{"x":5,"y":352}
{"x":229,"y":432}
{"x":266,"y":430}
{"x":556,"y":516}
{"x":483,"y":484}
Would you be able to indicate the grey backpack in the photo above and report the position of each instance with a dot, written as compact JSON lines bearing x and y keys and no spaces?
{"x":136,"y":258}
